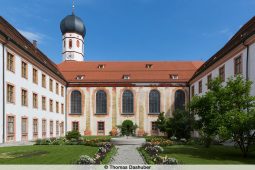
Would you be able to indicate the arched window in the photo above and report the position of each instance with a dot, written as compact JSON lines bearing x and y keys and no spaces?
{"x":64,"y":43}
{"x":70,"y":43}
{"x":78,"y":43}
{"x":154,"y":101}
{"x":127,"y":102}
{"x":101,"y":102}
{"x":76,"y":102}
{"x":179,"y":101}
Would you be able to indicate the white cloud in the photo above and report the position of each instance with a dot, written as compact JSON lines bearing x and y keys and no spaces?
{"x":32,"y":35}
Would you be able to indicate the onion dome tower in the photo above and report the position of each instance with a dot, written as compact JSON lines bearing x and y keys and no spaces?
{"x":73,"y":33}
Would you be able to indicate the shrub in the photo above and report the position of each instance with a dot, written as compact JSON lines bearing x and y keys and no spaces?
{"x":86,"y":160}
{"x":169,"y":161}
{"x":73,"y":135}
{"x":128,"y":128}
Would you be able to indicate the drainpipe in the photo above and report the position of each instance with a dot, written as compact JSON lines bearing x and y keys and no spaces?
{"x":4,"y":89}
{"x":247,"y":61}
{"x":65,"y":109}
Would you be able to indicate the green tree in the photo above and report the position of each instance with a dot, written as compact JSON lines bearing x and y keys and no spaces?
{"x":180,"y":125}
{"x":239,"y":121}
{"x":127,"y":128}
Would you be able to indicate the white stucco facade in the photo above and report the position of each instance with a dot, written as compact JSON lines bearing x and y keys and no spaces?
{"x":1,"y":93}
{"x":18,"y":111}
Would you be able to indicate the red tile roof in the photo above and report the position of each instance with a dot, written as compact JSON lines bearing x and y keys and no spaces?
{"x":114,"y":71}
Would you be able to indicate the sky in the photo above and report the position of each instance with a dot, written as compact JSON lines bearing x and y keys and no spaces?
{"x":139,"y":30}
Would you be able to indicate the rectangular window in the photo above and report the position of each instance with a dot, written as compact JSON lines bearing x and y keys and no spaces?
{"x":51,"y":85}
{"x":35,"y":126}
{"x":35,"y":76}
{"x":10,"y":62}
{"x":238,"y":65}
{"x":10,"y":93}
{"x":200,"y":87}
{"x":10,"y":125}
{"x":192,"y":91}
{"x":44,"y":80}
{"x":57,"y":107}
{"x":24,"y":126}
{"x":51,"y":128}
{"x":57,"y":88}
{"x":100,"y":128}
{"x":24,"y":98}
{"x":35,"y":100}
{"x":10,"y":128}
{"x":62,"y":91}
{"x":51,"y":105}
{"x":62,"y":108}
{"x":62,"y":128}
{"x":57,"y":128}
{"x":154,"y":126}
{"x":24,"y":69}
{"x":209,"y":79}
{"x":43,"y":103}
{"x":222,"y":73}
{"x":75,"y":126}
{"x":44,"y":128}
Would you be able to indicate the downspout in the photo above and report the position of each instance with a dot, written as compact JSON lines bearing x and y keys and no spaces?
{"x":4,"y":89}
{"x":66,"y":109}
{"x":247,"y":62}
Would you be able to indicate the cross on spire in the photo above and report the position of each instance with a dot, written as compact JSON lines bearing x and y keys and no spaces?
{"x":73,"y":6}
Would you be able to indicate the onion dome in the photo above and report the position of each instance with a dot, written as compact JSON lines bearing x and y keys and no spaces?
{"x":72,"y":24}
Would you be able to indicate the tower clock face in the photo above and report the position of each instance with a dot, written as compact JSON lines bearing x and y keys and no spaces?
{"x":69,"y":57}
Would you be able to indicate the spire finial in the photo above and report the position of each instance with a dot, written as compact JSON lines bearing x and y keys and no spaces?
{"x":73,"y":7}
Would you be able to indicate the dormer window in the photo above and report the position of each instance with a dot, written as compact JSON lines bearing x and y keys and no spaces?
{"x":80,"y":77}
{"x":126,"y":77}
{"x":100,"y":66}
{"x":174,"y":76}
{"x":148,"y":66}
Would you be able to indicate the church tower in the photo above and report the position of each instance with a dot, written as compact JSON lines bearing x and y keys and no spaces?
{"x":73,"y":33}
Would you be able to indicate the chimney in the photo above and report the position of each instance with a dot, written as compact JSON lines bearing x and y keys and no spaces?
{"x":35,"y":43}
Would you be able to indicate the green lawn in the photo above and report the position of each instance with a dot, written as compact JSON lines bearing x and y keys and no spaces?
{"x":217,"y":154}
{"x":53,"y":154}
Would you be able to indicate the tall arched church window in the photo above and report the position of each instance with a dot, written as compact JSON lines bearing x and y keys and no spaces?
{"x":70,"y":44}
{"x":154,"y":101}
{"x":179,"y":101}
{"x":101,"y":102}
{"x":127,"y":102}
{"x":76,"y":102}
{"x":78,"y":43}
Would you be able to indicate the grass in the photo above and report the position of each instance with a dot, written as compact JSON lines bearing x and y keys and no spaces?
{"x":109,"y":155}
{"x":53,"y":154}
{"x":216,"y":154}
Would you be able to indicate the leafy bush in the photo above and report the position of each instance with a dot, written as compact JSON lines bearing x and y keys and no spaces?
{"x":128,"y":128}
{"x":73,"y":135}
{"x":169,"y":161}
{"x":86,"y":160}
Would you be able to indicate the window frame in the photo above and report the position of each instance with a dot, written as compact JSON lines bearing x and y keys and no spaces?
{"x":157,"y":103}
{"x":101,"y":108}
{"x":127,"y":102}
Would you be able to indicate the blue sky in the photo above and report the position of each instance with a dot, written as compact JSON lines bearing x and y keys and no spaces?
{"x":133,"y":29}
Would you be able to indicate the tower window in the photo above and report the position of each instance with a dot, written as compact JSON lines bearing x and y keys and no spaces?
{"x":64,"y":43}
{"x":70,"y":44}
{"x":78,"y":43}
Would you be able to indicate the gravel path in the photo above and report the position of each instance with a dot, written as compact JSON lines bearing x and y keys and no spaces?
{"x":126,"y":152}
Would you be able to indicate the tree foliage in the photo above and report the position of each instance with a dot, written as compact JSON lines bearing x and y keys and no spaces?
{"x":128,"y":128}
{"x":179,"y":125}
{"x":227,"y":112}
